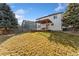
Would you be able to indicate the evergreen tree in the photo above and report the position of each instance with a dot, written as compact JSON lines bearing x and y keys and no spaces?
{"x":7,"y":17}
{"x":71,"y":16}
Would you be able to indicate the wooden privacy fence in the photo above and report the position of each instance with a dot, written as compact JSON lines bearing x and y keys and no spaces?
{"x":3,"y":31}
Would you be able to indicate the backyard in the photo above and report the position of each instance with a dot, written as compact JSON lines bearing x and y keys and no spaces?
{"x":40,"y":43}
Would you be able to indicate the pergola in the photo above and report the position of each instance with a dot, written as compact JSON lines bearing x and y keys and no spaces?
{"x":45,"y":21}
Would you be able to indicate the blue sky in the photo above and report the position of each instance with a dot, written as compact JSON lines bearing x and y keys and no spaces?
{"x":32,"y":11}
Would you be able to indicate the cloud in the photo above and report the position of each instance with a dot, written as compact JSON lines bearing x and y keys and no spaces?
{"x":20,"y":12}
{"x":20,"y":18}
{"x":60,"y":7}
{"x":20,"y":15}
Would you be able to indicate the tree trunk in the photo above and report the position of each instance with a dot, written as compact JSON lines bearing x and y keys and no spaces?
{"x":74,"y":28}
{"x":5,"y":30}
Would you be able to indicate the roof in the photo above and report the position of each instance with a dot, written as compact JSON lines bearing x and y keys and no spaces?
{"x":49,"y":15}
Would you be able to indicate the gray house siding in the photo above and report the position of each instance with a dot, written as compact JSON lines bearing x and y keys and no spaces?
{"x":28,"y":25}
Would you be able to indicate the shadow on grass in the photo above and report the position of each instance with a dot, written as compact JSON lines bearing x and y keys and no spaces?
{"x":65,"y":39}
{"x":5,"y":37}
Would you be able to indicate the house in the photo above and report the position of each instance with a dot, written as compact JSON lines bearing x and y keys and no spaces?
{"x":51,"y":22}
{"x":28,"y":25}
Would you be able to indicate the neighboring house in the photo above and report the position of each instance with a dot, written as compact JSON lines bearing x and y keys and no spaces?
{"x":51,"y":22}
{"x":28,"y":25}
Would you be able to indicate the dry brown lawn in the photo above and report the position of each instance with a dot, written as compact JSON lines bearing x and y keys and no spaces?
{"x":40,"y":44}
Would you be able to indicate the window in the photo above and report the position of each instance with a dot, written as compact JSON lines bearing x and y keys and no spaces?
{"x":55,"y":17}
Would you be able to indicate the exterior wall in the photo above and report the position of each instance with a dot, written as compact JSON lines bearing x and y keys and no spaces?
{"x":57,"y":22}
{"x":43,"y":26}
{"x":29,"y":25}
{"x":38,"y":26}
